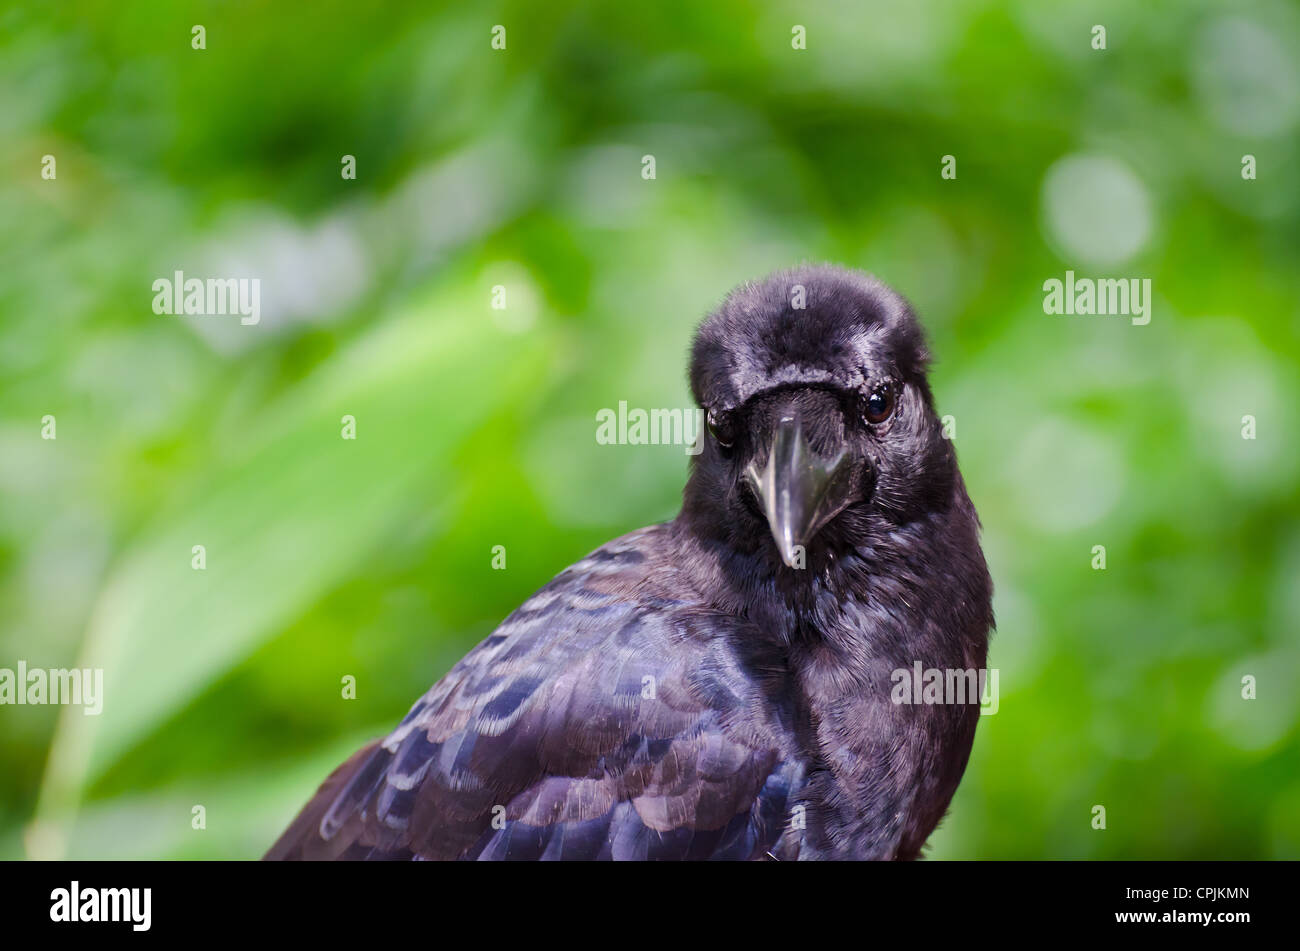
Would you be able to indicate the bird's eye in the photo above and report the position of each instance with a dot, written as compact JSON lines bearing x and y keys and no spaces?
{"x":722,"y":428}
{"x":880,"y":404}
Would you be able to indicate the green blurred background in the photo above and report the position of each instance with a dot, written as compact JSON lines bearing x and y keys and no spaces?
{"x":476,"y":427}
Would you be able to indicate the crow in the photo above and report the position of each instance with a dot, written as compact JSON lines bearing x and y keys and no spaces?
{"x":740,"y":682}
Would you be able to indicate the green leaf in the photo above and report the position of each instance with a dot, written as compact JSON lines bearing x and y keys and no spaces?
{"x":291,"y":510}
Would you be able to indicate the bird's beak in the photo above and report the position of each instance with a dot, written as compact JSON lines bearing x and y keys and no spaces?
{"x":799,"y":490}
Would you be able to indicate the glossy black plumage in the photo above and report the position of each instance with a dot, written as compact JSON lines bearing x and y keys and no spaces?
{"x":682,"y":693}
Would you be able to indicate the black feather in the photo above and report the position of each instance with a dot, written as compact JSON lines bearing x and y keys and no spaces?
{"x":680,"y":693}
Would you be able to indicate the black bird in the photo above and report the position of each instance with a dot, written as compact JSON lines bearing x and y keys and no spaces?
{"x":721,"y":686}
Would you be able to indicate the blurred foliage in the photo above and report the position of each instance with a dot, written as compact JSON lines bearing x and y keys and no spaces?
{"x":522,"y":168}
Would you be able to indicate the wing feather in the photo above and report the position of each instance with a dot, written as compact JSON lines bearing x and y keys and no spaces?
{"x":601,"y":720}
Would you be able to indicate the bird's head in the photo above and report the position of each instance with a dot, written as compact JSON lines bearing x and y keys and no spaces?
{"x":821,"y":427}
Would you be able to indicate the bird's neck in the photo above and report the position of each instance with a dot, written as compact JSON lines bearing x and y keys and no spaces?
{"x":834,"y":635}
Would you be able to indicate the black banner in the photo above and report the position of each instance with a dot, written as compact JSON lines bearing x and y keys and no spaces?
{"x":1219,"y":900}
